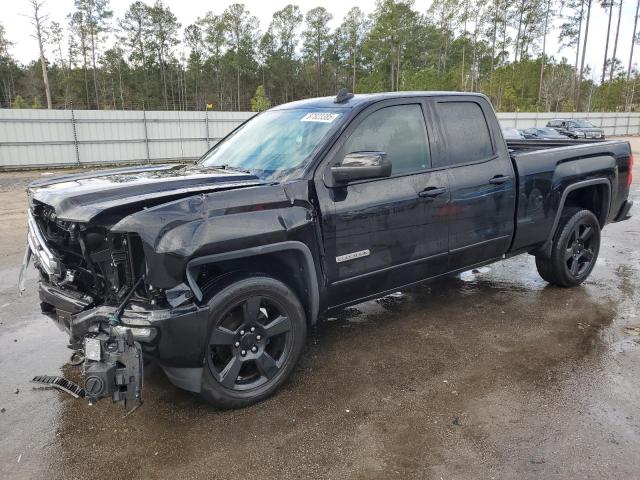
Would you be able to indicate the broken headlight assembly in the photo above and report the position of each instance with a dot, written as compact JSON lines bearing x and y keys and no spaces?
{"x":113,"y":366}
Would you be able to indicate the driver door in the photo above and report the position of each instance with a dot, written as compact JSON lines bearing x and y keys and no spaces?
{"x":383,"y":233}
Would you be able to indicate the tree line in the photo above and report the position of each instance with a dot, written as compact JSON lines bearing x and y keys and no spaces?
{"x":223,"y":61}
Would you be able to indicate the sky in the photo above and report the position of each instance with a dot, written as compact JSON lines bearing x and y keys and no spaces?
{"x":25,"y":47}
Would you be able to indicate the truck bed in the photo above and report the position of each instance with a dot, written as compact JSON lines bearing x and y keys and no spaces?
{"x":546,"y":168}
{"x":525,"y":145}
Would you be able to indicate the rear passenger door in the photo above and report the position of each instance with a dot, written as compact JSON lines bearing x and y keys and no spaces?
{"x":481,"y":178}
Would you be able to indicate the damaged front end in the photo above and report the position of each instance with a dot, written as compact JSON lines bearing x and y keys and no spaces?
{"x":88,"y":276}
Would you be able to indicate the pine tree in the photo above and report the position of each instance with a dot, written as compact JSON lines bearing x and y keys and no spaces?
{"x":260,"y":102}
{"x":39,"y":21}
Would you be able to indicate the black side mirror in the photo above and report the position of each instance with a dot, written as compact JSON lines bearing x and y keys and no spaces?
{"x":362,"y":166}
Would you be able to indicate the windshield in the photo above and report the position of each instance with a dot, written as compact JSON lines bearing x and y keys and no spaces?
{"x":276,"y":143}
{"x":550,"y":132}
{"x":511,"y":133}
{"x":583,"y":124}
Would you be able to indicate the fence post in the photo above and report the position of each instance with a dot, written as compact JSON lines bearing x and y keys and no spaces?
{"x":206,"y":123}
{"x":146,"y":135}
{"x":75,"y":135}
{"x":180,"y":133}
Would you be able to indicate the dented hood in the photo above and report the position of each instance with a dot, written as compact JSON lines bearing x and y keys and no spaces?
{"x":81,"y":197}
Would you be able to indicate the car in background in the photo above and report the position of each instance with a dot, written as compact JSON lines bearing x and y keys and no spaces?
{"x":512,"y":134}
{"x":576,"y":128}
{"x":543,"y":133}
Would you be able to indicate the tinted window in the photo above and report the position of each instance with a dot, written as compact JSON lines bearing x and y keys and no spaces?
{"x":550,"y":132}
{"x":466,"y":133}
{"x":400,"y":132}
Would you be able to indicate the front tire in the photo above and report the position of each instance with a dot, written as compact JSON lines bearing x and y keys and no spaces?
{"x":257,"y":332}
{"x":574,"y":250}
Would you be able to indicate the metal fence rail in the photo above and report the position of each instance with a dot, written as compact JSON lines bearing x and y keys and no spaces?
{"x":68,"y":138}
{"x":613,"y":123}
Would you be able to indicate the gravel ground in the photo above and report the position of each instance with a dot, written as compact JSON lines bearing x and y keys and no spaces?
{"x":494,"y":375}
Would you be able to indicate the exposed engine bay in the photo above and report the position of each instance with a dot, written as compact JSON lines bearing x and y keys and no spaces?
{"x":89,"y":261}
{"x":97,"y":273}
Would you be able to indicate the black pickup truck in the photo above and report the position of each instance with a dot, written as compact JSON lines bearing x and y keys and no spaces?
{"x":217,"y":269}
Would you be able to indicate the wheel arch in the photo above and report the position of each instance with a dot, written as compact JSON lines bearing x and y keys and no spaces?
{"x":278,"y":260}
{"x":593,"y":195}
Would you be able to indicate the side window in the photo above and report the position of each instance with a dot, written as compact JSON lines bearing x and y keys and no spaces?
{"x":399,"y":131}
{"x":466,"y":133}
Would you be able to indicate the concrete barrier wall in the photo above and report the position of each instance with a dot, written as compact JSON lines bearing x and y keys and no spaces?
{"x":65,"y":138}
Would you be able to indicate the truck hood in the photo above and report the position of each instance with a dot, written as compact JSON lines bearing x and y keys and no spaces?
{"x":81,"y":197}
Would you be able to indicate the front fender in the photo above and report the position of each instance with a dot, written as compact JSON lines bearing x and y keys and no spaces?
{"x":176,"y":232}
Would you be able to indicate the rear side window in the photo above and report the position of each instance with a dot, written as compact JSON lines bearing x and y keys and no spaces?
{"x":399,"y":131}
{"x":466,"y":133}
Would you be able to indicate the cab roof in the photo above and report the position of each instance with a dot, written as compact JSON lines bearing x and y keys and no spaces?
{"x":362,"y":99}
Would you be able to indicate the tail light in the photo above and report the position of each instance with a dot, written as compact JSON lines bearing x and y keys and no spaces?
{"x":630,"y":174}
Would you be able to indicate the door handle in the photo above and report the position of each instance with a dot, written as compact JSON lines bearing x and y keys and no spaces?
{"x":432,"y":192}
{"x":499,"y":179}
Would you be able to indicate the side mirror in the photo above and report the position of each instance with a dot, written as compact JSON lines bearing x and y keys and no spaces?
{"x":362,"y":166}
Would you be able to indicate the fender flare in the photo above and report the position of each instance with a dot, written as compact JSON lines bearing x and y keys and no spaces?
{"x":546,"y":247}
{"x":312,"y":279}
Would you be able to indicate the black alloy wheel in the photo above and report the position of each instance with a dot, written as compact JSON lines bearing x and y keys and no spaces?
{"x":251,"y":343}
{"x":258,"y":331}
{"x":574,"y":250}
{"x":580,"y":252}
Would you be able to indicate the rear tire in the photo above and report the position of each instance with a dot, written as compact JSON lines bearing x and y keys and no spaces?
{"x":574,"y":251}
{"x":257,"y":332}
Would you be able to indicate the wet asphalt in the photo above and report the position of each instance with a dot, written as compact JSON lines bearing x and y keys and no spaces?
{"x":490,"y":375}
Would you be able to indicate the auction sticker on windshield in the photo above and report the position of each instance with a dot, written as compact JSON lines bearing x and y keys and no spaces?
{"x":320,"y":117}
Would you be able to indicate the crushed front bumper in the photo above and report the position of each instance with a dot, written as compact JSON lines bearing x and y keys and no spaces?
{"x":175,"y":337}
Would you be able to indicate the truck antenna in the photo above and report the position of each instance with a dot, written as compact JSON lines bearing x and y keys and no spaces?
{"x":343,"y":95}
